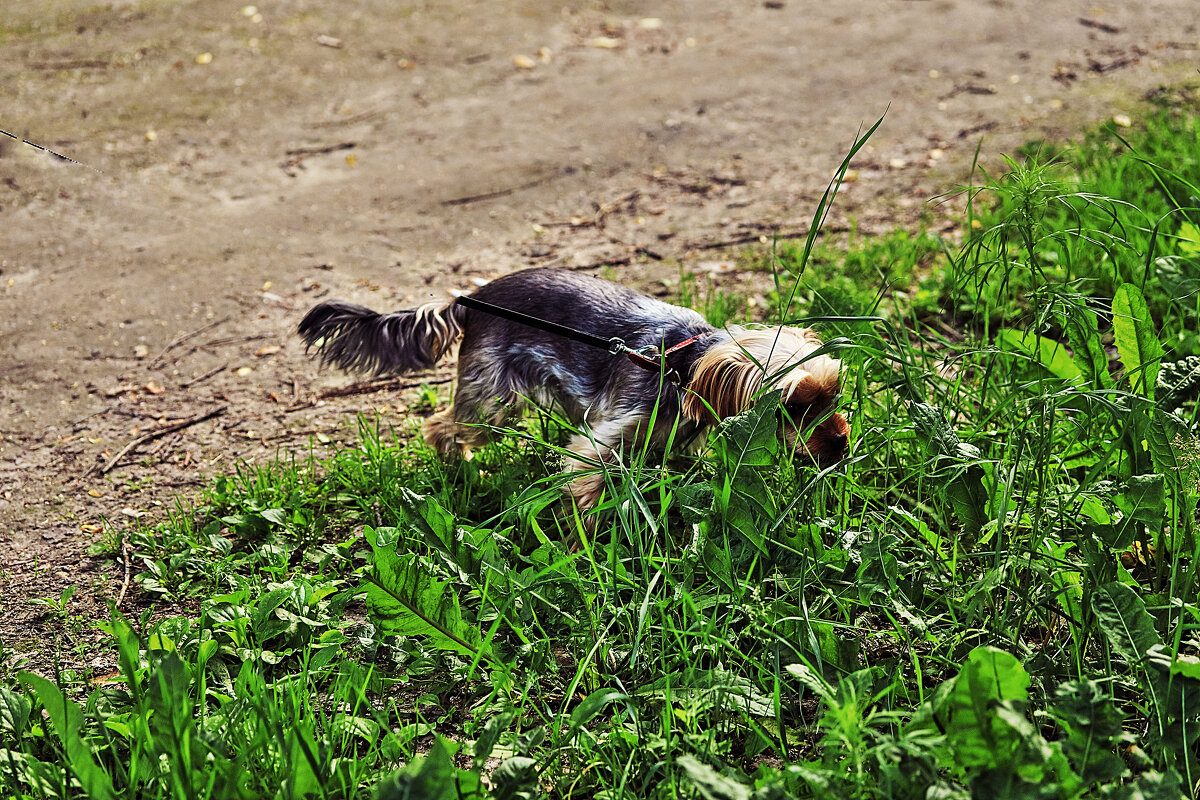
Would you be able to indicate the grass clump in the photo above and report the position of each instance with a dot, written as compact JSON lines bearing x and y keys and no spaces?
{"x":994,"y":595}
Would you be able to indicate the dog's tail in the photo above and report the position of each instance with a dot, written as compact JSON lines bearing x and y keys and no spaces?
{"x":358,"y":339}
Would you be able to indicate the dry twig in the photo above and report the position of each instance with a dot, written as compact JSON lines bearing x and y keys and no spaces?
{"x":189,"y":383}
{"x":178,"y":340}
{"x":367,"y":387}
{"x":152,"y":435}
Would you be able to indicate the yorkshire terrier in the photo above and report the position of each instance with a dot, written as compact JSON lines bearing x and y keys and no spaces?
{"x":615,"y":403}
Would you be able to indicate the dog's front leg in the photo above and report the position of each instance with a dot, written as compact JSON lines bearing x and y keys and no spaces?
{"x":592,"y":455}
{"x":587,"y":487}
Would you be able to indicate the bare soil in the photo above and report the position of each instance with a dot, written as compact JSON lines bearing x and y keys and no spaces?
{"x":240,"y":163}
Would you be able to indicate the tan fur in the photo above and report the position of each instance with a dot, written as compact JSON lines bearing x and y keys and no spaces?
{"x":504,"y":365}
{"x":443,"y":329}
{"x":727,"y":378}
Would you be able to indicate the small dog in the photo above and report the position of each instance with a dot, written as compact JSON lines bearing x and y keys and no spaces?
{"x":504,"y":364}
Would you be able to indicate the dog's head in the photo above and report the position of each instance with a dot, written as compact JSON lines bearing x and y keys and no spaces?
{"x":726,"y":379}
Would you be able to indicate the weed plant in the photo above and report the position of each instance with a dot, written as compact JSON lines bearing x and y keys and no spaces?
{"x":993,"y":595}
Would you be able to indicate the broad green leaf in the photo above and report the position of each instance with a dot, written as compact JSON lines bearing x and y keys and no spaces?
{"x":14,"y":712}
{"x":809,"y":677}
{"x":1125,"y":622}
{"x":720,"y":688}
{"x":1187,"y":666}
{"x":837,"y":650}
{"x":1095,"y":730}
{"x":488,"y":737}
{"x":1177,"y":381}
{"x":407,"y":601}
{"x":1164,"y":433}
{"x":1083,"y":335}
{"x":470,"y":550}
{"x":966,"y":712}
{"x":1137,"y":343}
{"x":67,"y":718}
{"x":302,"y":763}
{"x":1143,"y":500}
{"x":593,"y":704}
{"x":1050,"y":354}
{"x":1152,"y":786}
{"x":1189,"y":238}
{"x":264,"y":610}
{"x":431,"y":777}
{"x":747,"y":505}
{"x":695,"y":502}
{"x":719,"y":564}
{"x":515,"y":777}
{"x":751,"y":439}
{"x":711,"y":784}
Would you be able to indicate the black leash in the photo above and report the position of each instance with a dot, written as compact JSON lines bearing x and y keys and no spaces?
{"x":647,"y":357}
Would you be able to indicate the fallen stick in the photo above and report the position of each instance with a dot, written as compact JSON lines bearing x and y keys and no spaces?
{"x":218,"y":342}
{"x":204,"y":377}
{"x":178,"y":340}
{"x":152,"y":435}
{"x":476,"y":198}
{"x":377,"y":386}
{"x":751,"y":238}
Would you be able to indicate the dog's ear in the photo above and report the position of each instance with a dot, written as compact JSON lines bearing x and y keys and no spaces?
{"x":723,"y":383}
{"x":725,"y":379}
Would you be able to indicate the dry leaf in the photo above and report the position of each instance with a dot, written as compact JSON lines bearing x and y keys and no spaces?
{"x":95,"y":493}
{"x":91,"y":527}
{"x":267,"y":350}
{"x":153,"y":388}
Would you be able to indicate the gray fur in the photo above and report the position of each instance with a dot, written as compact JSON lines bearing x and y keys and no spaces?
{"x":357,"y":339}
{"x":503,"y":364}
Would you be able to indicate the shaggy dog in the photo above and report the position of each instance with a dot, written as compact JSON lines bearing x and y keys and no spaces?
{"x":503,"y":364}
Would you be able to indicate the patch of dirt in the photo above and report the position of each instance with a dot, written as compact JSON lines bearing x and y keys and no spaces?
{"x":242,"y":162}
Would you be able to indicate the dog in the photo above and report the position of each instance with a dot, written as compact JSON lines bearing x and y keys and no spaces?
{"x":616,"y":403}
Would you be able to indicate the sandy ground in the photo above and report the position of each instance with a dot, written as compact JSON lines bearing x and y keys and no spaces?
{"x":241,"y":162}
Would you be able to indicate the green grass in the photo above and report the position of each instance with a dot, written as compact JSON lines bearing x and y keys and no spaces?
{"x":993,"y":596}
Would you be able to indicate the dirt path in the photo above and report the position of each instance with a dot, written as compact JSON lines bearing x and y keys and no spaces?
{"x":243,"y":162}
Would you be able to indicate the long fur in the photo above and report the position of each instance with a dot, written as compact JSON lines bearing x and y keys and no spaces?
{"x":357,"y":339}
{"x":503,"y":364}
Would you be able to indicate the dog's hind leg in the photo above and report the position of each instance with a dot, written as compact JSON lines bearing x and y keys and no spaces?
{"x":480,"y":405}
{"x":445,"y":434}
